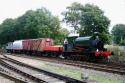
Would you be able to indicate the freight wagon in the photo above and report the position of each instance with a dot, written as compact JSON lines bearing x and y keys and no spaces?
{"x":33,"y":46}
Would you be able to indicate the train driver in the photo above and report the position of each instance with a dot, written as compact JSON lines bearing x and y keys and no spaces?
{"x":65,"y":44}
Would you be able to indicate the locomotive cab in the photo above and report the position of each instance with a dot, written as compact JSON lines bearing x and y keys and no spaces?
{"x":71,"y":42}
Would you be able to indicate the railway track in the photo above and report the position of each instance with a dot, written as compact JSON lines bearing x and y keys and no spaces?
{"x":111,"y":68}
{"x":19,"y":72}
{"x":40,"y":76}
{"x":100,"y":67}
{"x":6,"y":76}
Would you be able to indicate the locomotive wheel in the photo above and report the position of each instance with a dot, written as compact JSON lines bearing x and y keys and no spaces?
{"x":92,"y":58}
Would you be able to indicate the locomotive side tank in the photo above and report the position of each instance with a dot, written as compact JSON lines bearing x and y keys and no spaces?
{"x":83,"y":42}
{"x":89,"y":44}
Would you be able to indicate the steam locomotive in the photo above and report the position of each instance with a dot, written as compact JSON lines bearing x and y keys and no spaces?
{"x":75,"y":48}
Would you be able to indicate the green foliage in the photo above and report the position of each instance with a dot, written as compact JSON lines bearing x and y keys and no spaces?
{"x":63,"y":32}
{"x":122,"y":42}
{"x":118,"y":33}
{"x":93,"y":20}
{"x":33,"y":24}
{"x":72,"y":16}
{"x":87,"y":19}
{"x":106,"y":38}
{"x":7,"y":31}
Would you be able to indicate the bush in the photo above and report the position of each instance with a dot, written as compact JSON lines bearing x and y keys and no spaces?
{"x":119,"y":53}
{"x":122,"y":42}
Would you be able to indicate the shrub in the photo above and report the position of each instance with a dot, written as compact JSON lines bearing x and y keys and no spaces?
{"x":119,"y":53}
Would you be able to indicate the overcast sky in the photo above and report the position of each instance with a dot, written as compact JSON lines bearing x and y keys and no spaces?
{"x":114,"y":9}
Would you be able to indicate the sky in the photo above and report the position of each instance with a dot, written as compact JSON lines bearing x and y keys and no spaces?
{"x":113,"y":9}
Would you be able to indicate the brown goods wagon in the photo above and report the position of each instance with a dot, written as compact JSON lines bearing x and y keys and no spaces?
{"x":45,"y":43}
{"x":37,"y":44}
{"x":54,"y":48}
{"x":27,"y":44}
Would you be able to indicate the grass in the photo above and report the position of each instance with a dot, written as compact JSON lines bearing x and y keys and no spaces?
{"x":74,"y":73}
{"x":102,"y":79}
{"x":64,"y":71}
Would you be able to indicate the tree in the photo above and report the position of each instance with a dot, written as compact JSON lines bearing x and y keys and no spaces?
{"x":93,"y":20}
{"x":118,"y":33}
{"x":62,"y":34}
{"x":33,"y":24}
{"x":72,"y":16}
{"x":89,"y":18}
{"x":7,"y":32}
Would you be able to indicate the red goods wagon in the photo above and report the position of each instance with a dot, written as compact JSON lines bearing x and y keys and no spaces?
{"x":34,"y":44}
{"x":37,"y":44}
{"x":45,"y":43}
{"x":54,"y":48}
{"x":27,"y":44}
